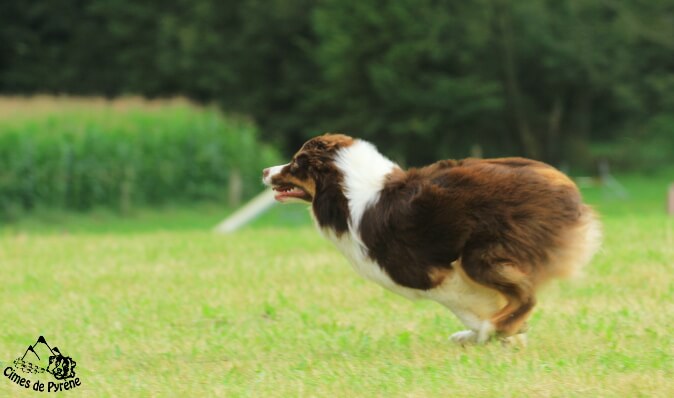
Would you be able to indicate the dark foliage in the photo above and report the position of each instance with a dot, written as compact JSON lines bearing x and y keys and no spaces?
{"x":424,"y":79}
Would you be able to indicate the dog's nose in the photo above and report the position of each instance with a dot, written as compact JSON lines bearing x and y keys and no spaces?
{"x":265,"y":173}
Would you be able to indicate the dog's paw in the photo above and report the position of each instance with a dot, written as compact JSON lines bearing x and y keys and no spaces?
{"x":464,"y":337}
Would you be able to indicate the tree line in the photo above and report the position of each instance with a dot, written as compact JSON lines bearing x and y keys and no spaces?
{"x":566,"y":81}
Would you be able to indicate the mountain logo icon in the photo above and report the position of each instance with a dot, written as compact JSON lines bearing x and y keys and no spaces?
{"x":41,"y":358}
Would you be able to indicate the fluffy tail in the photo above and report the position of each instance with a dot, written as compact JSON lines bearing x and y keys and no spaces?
{"x":580,"y":244}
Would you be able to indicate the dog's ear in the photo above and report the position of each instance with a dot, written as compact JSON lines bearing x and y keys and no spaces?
{"x":320,"y":145}
{"x":315,"y":144}
{"x":326,"y":144}
{"x":334,"y":141}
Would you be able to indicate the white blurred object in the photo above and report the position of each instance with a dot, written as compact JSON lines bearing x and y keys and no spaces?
{"x":247,"y":212}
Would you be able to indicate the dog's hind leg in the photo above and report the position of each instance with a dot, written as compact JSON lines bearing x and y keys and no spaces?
{"x":473,"y":304}
{"x":512,"y":280}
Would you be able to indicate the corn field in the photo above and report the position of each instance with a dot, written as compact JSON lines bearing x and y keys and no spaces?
{"x":81,"y":153}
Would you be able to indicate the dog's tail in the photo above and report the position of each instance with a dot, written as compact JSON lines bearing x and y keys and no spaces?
{"x":579,"y":244}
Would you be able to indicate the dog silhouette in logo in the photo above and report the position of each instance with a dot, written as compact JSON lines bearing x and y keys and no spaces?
{"x":61,"y":367}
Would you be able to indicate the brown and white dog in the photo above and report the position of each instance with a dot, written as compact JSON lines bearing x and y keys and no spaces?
{"x":478,"y":236}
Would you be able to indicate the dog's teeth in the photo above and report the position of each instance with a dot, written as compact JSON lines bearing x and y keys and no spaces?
{"x":287,"y":190}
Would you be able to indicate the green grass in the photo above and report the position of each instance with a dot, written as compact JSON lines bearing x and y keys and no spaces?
{"x":156,"y":305}
{"x":196,"y":217}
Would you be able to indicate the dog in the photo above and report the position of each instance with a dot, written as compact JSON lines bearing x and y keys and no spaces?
{"x":479,"y":236}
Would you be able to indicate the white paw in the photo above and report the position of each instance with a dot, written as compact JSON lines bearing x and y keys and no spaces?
{"x":464,"y":337}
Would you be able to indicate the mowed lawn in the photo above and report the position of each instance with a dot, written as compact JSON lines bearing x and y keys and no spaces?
{"x":157,"y":305}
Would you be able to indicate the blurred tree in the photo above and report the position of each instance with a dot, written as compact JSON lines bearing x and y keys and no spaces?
{"x":562,"y":80}
{"x":408,"y":74}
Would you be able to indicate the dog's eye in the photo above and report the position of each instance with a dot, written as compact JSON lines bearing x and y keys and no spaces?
{"x":301,"y":161}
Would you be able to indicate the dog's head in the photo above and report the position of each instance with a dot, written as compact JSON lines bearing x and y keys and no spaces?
{"x":310,"y":171}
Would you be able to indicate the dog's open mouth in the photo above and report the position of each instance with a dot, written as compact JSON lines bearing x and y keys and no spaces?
{"x":286,"y":192}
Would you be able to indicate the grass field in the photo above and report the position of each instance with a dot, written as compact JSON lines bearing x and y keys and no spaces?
{"x":156,"y":305}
